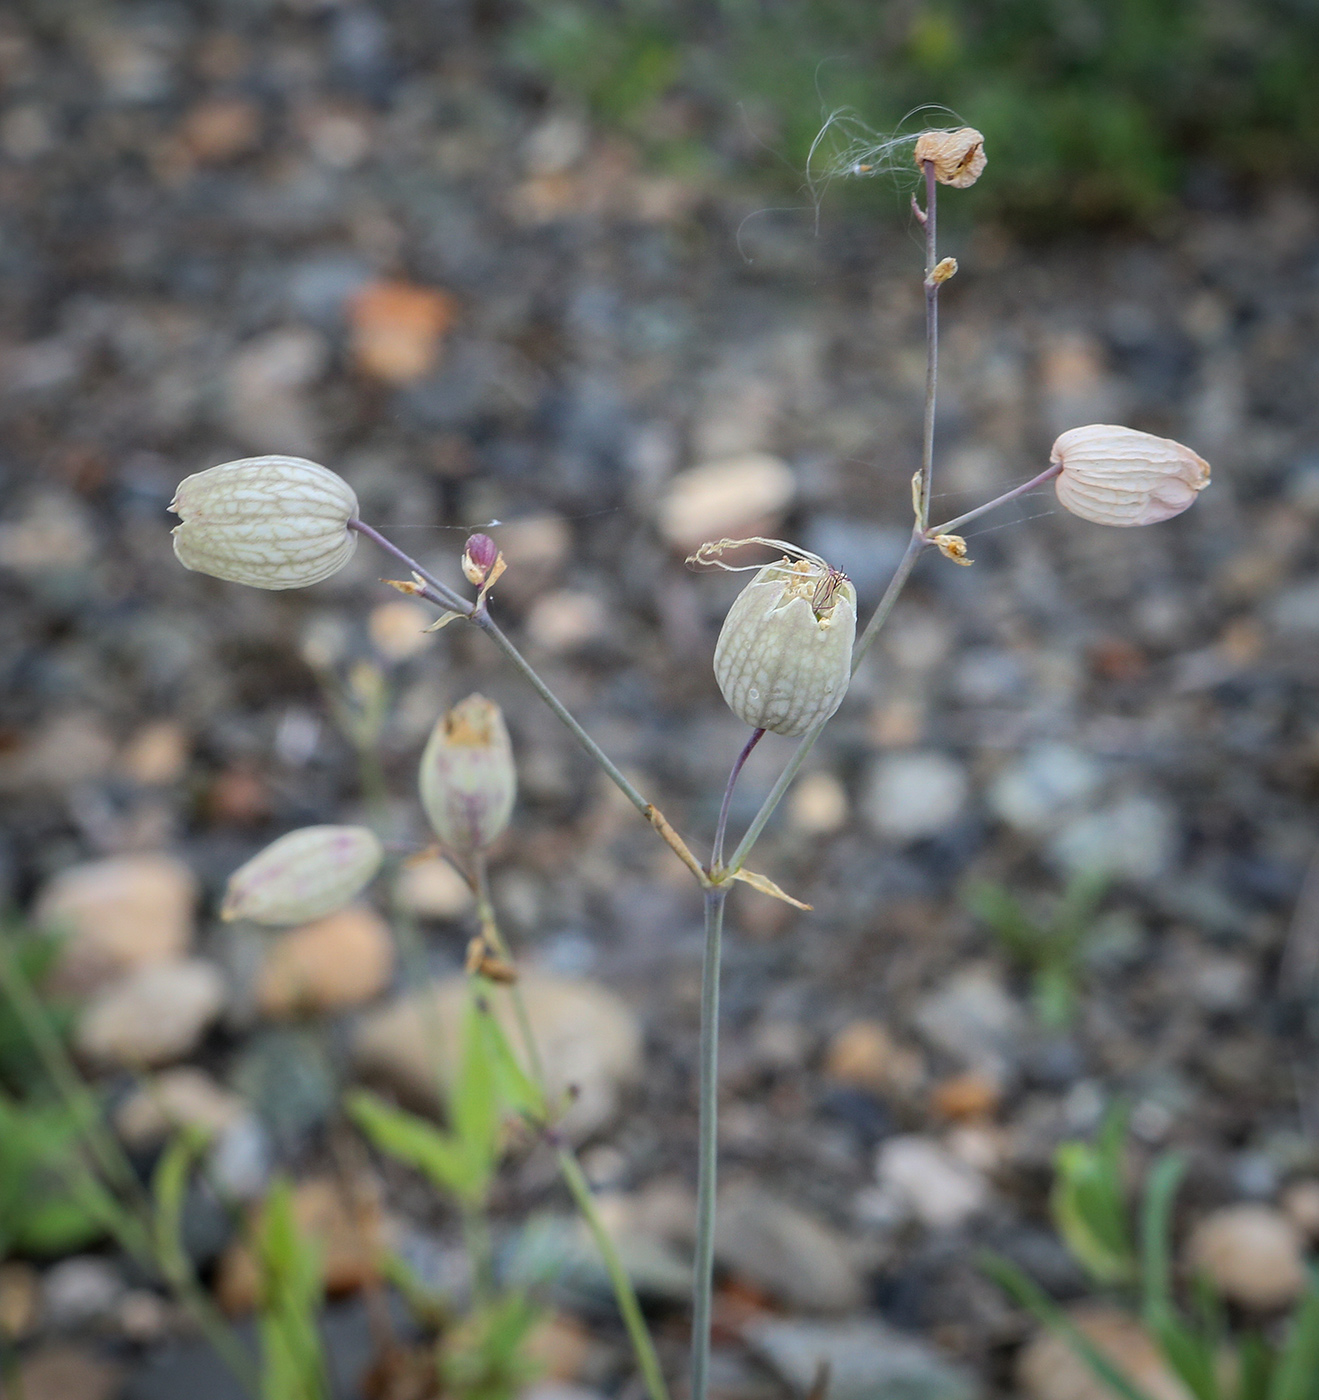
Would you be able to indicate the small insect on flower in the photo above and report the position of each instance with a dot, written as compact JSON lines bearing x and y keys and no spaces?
{"x":304,"y":875}
{"x":958,"y":156}
{"x":784,"y":656}
{"x":467,"y":778}
{"x":1118,"y":476}
{"x":269,"y":522}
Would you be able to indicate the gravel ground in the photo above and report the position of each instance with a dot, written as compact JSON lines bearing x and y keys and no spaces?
{"x":344,"y":232}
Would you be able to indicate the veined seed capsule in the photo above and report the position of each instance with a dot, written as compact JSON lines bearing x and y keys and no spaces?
{"x":1119,"y":476}
{"x":467,"y":779}
{"x":269,"y":522}
{"x":784,"y":656}
{"x":305,"y":875}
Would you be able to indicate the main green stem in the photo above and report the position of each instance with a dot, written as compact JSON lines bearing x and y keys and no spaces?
{"x":708,"y":1146}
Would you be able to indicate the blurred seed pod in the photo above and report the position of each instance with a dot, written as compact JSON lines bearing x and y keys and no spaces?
{"x":269,"y":522}
{"x":305,"y":875}
{"x":467,"y":778}
{"x":958,"y":156}
{"x":1119,"y":476}
{"x":784,"y":656}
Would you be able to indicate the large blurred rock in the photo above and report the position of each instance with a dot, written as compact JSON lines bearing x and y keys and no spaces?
{"x":589,"y":1041}
{"x":1049,"y":1369}
{"x":1251,"y":1254}
{"x":867,"y":1360}
{"x":122,"y":913}
{"x":733,"y":497}
{"x":1133,"y":838}
{"x":933,"y":1185}
{"x":152,"y":1016}
{"x":341,"y":960}
{"x":793,"y":1257}
{"x":913,"y":795}
{"x":178,"y":1098}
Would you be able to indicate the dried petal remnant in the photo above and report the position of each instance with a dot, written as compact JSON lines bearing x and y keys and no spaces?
{"x":269,"y":522}
{"x":958,"y":156}
{"x":305,"y":875}
{"x":784,"y":656}
{"x":467,"y":779}
{"x":1119,"y":476}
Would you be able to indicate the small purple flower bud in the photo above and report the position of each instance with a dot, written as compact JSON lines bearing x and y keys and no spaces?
{"x":479,"y":558}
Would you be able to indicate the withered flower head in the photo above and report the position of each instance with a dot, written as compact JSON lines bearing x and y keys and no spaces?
{"x":1119,"y":476}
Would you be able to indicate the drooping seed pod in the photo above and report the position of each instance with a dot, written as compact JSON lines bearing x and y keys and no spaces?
{"x":467,"y":779}
{"x":958,"y":156}
{"x":1119,"y":476}
{"x":305,"y":875}
{"x":784,"y":655}
{"x":269,"y":522}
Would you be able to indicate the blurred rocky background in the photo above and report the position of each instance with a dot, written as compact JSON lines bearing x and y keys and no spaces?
{"x":418,"y":244}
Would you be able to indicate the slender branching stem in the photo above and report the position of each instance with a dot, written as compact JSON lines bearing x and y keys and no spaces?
{"x":931,"y":347}
{"x":442,"y":595}
{"x":1036,"y":481}
{"x":491,"y":629}
{"x":708,"y":1147}
{"x":447,"y":596}
{"x":717,"y":854}
{"x":915,"y":548}
{"x":491,"y":932}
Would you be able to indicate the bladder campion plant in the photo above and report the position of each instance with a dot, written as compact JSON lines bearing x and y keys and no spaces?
{"x":787,"y":649}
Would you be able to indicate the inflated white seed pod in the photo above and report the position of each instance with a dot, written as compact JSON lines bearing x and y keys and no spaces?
{"x":784,"y":656}
{"x":305,"y":875}
{"x":1119,"y":476}
{"x":269,"y":522}
{"x":958,"y":156}
{"x":467,"y":779}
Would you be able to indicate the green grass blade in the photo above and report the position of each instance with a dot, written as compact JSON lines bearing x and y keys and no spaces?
{"x":1296,"y":1376}
{"x":1038,"y":1303}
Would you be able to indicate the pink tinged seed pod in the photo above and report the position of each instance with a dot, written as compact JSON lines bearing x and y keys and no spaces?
{"x":305,"y":875}
{"x":1118,"y":476}
{"x":269,"y":522}
{"x":958,"y":156}
{"x":784,"y":655}
{"x":467,"y":779}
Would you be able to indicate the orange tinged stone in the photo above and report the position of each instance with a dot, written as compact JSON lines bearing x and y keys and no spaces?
{"x":221,"y":129}
{"x":397,"y":329}
{"x":340,"y":960}
{"x":864,"y":1054}
{"x":966,"y":1096}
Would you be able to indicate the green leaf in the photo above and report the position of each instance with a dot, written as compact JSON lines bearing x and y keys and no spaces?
{"x":416,"y":1143}
{"x":514,"y":1086}
{"x":474,"y":1109}
{"x":1038,"y":1303}
{"x":1254,"y":1368}
{"x":1156,"y":1235}
{"x":292,"y":1356}
{"x":1296,"y":1376}
{"x":1088,"y":1203}
{"x":484,"y":1359}
{"x":169,"y":1186}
